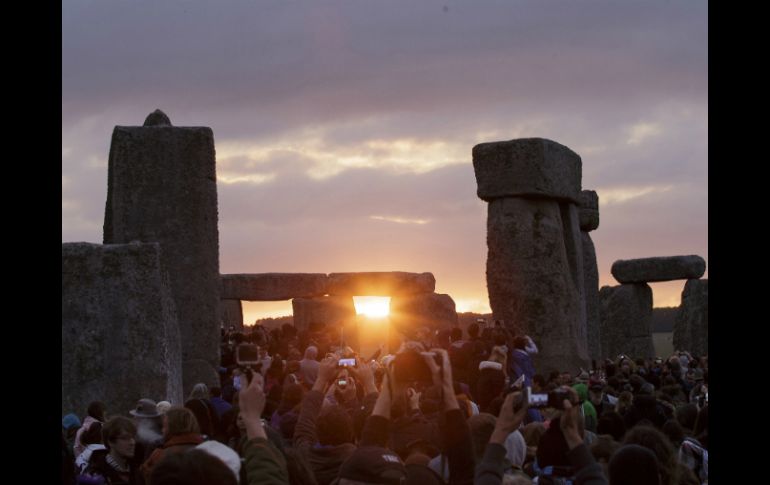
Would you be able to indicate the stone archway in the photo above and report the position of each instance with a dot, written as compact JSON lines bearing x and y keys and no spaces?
{"x":626,"y":310}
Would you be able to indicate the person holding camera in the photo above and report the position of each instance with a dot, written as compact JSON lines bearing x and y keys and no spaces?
{"x":264,"y":463}
{"x":562,"y":453}
{"x":413,"y":365}
{"x":324,"y":435}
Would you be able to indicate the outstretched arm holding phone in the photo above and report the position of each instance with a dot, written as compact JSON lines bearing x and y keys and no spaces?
{"x":454,"y":430}
{"x":588,"y":471}
{"x":264,"y":463}
{"x":490,"y":470}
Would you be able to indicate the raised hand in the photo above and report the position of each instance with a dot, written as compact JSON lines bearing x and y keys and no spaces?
{"x":509,"y":419}
{"x":251,"y":400}
{"x":570,"y":420}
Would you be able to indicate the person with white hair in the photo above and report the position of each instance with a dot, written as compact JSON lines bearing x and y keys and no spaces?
{"x":308,"y":367}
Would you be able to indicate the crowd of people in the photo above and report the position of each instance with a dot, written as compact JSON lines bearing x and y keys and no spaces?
{"x":442,"y":408}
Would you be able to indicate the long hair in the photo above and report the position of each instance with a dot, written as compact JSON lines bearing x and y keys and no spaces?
{"x":180,"y":420}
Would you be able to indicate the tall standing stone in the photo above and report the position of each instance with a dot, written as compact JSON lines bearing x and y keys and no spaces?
{"x":589,"y":221}
{"x":626,"y":320}
{"x":691,"y":326}
{"x":433,"y":310}
{"x":162,"y":188}
{"x":120,"y":336}
{"x":330,"y":310}
{"x":535,"y":258}
{"x":231,"y":314}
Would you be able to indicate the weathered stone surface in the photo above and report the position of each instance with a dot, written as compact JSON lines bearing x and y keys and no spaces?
{"x":589,"y":210}
{"x":666,"y":268}
{"x":535,"y":277}
{"x":691,"y":327}
{"x":157,"y":118}
{"x":381,"y":283}
{"x":527,"y":167}
{"x":434,"y":310}
{"x":591,"y":285}
{"x":626,"y":320}
{"x":162,"y":188}
{"x":120,"y":336}
{"x":273,"y":286}
{"x":329,"y":310}
{"x":231,"y":314}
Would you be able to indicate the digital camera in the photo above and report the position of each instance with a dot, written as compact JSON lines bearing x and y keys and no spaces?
{"x":410,"y":366}
{"x":247,"y":355}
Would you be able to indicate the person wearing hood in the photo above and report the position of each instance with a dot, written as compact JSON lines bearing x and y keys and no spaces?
{"x":587,"y":408}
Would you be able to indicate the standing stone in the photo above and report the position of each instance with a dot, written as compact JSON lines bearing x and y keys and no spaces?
{"x":589,"y":221}
{"x":668,"y":268}
{"x":591,"y":284}
{"x":162,"y":188}
{"x":231,"y":314}
{"x":436,"y":311}
{"x":330,"y":310}
{"x":535,"y":259}
{"x":691,"y":327}
{"x":626,"y":320}
{"x":120,"y":336}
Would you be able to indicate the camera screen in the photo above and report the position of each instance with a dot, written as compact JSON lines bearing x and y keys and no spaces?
{"x":347,"y":362}
{"x":538,"y":400}
{"x":247,"y":353}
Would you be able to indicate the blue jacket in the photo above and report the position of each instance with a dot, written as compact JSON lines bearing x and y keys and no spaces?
{"x":519,"y":362}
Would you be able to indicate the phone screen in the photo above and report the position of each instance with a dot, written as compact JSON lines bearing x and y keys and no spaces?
{"x":347,"y":362}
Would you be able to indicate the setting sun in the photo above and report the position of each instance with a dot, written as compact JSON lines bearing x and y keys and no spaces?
{"x":372,"y":306}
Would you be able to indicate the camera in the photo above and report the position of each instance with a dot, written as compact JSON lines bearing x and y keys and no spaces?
{"x":247,"y":355}
{"x":342,"y":382}
{"x":410,"y":366}
{"x":554,"y":399}
{"x":347,"y":362}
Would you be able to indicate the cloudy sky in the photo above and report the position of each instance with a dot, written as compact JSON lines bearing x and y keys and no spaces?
{"x":344,"y":129}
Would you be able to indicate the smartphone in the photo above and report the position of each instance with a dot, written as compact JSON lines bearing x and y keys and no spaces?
{"x":342,"y":382}
{"x":347,"y":362}
{"x":247,"y":355}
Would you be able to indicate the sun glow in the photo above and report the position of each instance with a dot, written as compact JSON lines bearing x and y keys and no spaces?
{"x":372,"y":306}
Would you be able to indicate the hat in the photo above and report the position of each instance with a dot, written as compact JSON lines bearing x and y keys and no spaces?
{"x":145,"y":408}
{"x":228,"y":456}
{"x":163,"y":406}
{"x":70,"y":421}
{"x":373,"y":464}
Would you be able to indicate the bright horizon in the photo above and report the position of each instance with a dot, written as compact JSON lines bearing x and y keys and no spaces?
{"x":343,"y":130}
